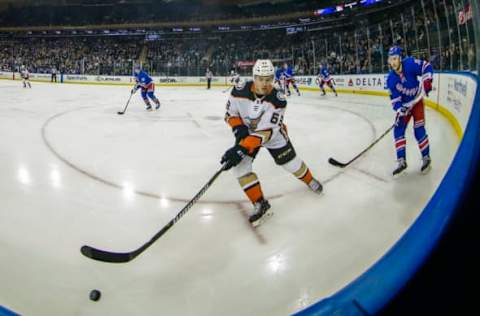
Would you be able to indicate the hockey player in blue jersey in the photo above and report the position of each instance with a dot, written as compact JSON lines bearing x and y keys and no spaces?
{"x":325,"y":78}
{"x":147,"y":86}
{"x":280,"y":79}
{"x":289,"y":79}
{"x":402,"y":81}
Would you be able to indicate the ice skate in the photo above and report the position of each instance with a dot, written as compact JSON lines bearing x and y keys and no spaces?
{"x":261,"y":213}
{"x":402,"y":165}
{"x":316,"y":186}
{"x":426,"y":165}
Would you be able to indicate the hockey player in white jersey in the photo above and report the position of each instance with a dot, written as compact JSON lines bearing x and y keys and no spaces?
{"x":25,"y":75}
{"x":234,"y":77}
{"x":255,"y":112}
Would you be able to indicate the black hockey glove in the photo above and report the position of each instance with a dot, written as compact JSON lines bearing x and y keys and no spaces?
{"x":233,"y":156}
{"x":240,"y":132}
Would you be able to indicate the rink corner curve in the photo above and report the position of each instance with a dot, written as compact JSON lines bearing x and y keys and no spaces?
{"x":372,"y":290}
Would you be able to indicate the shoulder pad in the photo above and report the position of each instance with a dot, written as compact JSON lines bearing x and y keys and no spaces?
{"x":392,"y":79}
{"x":391,"y":76}
{"x":277,"y":98}
{"x":408,"y":61}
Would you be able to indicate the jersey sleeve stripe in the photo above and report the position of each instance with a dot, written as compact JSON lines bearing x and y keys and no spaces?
{"x":397,"y":99}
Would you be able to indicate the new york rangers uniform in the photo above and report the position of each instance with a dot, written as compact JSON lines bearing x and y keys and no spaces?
{"x":289,"y":74}
{"x":404,"y":87}
{"x":325,"y":78}
{"x":280,"y":79}
{"x":147,"y":86}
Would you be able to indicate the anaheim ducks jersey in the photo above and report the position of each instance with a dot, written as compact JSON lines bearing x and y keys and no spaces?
{"x":263,"y":115}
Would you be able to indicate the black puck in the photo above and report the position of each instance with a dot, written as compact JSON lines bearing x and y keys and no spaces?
{"x":95,"y":295}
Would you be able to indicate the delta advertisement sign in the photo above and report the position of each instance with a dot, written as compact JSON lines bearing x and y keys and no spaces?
{"x":370,"y":82}
{"x":353,"y":82}
{"x":453,"y":92}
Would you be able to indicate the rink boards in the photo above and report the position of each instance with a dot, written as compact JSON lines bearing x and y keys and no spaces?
{"x":454,"y":95}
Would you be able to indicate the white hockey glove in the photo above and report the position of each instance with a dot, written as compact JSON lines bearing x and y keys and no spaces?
{"x":401,"y":112}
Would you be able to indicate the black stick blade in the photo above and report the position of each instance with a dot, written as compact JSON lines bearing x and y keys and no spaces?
{"x":106,"y":256}
{"x":120,"y":113}
{"x":337,"y":163}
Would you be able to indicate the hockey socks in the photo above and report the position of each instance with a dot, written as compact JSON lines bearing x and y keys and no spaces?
{"x":251,"y":186}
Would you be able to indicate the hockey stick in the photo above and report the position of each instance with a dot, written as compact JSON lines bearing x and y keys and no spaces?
{"x":337,"y":163}
{"x":228,"y":89}
{"x":126,"y":106}
{"x":122,"y":257}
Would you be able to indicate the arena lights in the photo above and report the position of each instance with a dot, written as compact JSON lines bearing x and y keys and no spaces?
{"x":346,"y":5}
{"x":152,"y":36}
{"x":367,"y":3}
{"x":350,"y":5}
{"x":295,"y":30}
{"x":325,"y":11}
{"x":305,"y":20}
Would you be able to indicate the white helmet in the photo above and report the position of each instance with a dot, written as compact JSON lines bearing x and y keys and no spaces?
{"x":263,"y":68}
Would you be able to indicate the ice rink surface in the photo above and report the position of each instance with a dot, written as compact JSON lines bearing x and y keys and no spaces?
{"x":73,"y":172}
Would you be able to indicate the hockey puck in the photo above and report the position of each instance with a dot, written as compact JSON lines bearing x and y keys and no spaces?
{"x":95,"y":295}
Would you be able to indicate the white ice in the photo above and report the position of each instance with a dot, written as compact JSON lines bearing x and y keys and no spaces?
{"x":73,"y":172}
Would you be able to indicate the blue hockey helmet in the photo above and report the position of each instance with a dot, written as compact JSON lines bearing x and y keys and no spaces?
{"x":137,"y":69}
{"x":395,"y":51}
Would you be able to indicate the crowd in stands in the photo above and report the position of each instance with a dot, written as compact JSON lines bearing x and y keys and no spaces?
{"x":360,"y":47}
{"x":188,"y":56}
{"x":79,"y":55}
{"x":433,"y":36}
